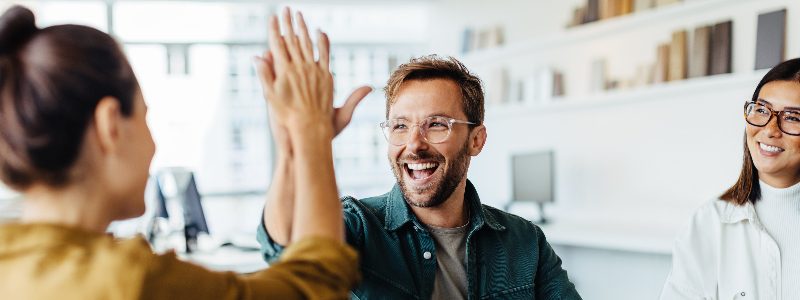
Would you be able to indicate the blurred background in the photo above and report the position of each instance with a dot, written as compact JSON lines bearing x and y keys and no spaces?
{"x":626,"y":115}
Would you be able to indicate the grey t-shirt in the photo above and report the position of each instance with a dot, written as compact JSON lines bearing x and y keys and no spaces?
{"x":451,"y":275}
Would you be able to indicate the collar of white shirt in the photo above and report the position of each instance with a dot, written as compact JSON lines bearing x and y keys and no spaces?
{"x":732,"y":213}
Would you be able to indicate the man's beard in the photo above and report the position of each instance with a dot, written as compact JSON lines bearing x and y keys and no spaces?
{"x":452,"y":177}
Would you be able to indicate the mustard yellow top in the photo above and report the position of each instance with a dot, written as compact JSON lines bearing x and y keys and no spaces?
{"x":41,"y":261}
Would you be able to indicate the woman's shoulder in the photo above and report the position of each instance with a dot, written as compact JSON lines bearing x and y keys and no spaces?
{"x":714,"y":210}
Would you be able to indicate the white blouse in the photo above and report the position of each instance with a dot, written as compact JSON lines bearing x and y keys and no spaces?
{"x":725,"y":253}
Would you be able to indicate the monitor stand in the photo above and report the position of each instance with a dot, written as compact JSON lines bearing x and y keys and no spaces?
{"x":542,"y":218}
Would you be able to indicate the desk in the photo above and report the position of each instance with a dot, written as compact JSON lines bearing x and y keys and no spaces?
{"x":619,"y":253}
{"x":228,"y":259}
{"x":651,"y":238}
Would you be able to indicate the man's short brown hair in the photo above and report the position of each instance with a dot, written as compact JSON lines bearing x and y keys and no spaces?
{"x":435,"y":67}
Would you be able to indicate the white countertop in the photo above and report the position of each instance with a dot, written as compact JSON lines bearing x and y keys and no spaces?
{"x":643,"y":230}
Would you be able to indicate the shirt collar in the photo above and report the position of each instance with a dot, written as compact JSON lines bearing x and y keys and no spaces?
{"x":398,"y":213}
{"x":732,"y":213}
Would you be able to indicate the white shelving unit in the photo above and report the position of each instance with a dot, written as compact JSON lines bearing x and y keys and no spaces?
{"x":614,"y":148}
{"x":622,"y":97}
{"x":591,"y":32}
{"x":625,"y":43}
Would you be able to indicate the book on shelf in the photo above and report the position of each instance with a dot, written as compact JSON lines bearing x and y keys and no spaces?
{"x":666,"y":2}
{"x":516,"y":91}
{"x":625,"y":7}
{"x":701,"y":52}
{"x":544,"y":85}
{"x":640,"y":5}
{"x":606,"y":9}
{"x":661,"y":70}
{"x":592,"y":11}
{"x":497,"y":86}
{"x":558,"y":84}
{"x":644,"y":75}
{"x":539,"y":87}
{"x":677,"y":56}
{"x":579,"y":17}
{"x":484,"y":36}
{"x":599,"y":75}
{"x":770,"y":39}
{"x":497,"y":36}
{"x":474,"y":39}
{"x":466,"y":40}
{"x":528,"y":89}
{"x":721,"y":51}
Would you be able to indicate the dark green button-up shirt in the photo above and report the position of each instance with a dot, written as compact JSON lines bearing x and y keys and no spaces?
{"x":507,"y":256}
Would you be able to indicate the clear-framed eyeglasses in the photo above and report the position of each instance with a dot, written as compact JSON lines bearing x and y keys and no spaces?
{"x":758,"y":114}
{"x":434,"y":129}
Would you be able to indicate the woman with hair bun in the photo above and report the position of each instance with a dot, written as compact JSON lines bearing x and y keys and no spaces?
{"x":74,"y":142}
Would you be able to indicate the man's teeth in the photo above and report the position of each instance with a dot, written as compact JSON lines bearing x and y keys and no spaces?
{"x":769,"y":148}
{"x":422,"y":166}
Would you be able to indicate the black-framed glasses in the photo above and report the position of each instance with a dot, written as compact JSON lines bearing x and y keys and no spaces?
{"x":758,"y":114}
{"x":434,"y":129}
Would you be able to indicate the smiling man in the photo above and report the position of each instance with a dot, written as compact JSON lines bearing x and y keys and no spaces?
{"x":430,"y":237}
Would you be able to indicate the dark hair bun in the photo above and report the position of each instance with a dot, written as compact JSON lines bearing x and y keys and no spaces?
{"x":17,"y":26}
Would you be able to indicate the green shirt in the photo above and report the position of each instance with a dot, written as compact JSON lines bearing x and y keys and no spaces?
{"x":507,"y":256}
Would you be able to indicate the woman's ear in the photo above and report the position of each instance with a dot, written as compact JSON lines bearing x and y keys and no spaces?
{"x":477,"y":139}
{"x":107,"y":123}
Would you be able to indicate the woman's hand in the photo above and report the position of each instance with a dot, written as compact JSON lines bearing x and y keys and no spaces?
{"x":298,"y":88}
{"x":297,"y":52}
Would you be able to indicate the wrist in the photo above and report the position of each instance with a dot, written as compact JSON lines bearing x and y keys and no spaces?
{"x":304,"y":131}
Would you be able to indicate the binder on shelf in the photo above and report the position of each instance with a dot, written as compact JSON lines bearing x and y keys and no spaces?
{"x":701,"y":52}
{"x":677,"y":56}
{"x":770,"y":39}
{"x":661,"y":70}
{"x":721,"y":51}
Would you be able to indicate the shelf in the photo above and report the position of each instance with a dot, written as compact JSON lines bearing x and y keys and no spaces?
{"x":657,"y":92}
{"x":597,"y":30}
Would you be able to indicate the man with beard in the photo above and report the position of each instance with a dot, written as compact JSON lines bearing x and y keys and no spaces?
{"x":430,"y":237}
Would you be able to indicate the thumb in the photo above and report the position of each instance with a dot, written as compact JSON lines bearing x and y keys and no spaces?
{"x":342,"y":115}
{"x":264,"y":71}
{"x":355,"y":98}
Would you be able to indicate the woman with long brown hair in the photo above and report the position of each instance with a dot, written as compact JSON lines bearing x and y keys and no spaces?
{"x":74,"y":142}
{"x":746,"y":245}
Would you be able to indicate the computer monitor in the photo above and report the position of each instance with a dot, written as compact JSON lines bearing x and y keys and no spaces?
{"x":194,"y":220}
{"x":186,"y":202}
{"x":533,"y":175}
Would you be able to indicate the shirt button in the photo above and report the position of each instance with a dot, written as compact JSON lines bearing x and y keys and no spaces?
{"x":426,"y":255}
